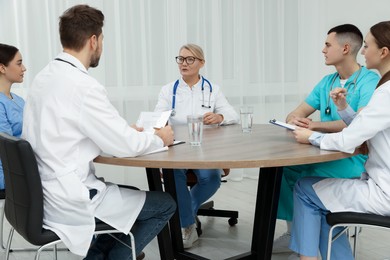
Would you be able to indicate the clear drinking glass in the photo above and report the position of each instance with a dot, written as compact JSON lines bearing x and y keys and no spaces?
{"x":246,"y":115}
{"x":195,"y":129}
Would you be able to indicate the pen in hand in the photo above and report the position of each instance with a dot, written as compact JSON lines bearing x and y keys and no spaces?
{"x":339,"y":97}
{"x":339,"y":93}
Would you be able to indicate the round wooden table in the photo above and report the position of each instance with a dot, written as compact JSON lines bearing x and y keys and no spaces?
{"x":267,"y":147}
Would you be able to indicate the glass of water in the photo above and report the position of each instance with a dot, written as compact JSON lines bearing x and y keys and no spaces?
{"x":195,"y":129}
{"x":246,"y":114}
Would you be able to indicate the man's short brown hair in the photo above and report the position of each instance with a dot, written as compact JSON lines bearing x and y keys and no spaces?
{"x":78,"y":24}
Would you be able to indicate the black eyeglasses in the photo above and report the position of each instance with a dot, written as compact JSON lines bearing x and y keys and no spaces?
{"x":190,"y":59}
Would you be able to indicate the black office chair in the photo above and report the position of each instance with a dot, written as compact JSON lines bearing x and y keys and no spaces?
{"x":207,"y":208}
{"x":2,"y":198}
{"x":24,"y":197}
{"x":356,"y":220}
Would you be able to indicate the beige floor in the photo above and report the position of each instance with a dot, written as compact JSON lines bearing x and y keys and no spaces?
{"x":219,"y":240}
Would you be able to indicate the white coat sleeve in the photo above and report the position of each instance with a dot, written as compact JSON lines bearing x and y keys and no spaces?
{"x":101,"y":123}
{"x":223,"y":107}
{"x":374,"y":118}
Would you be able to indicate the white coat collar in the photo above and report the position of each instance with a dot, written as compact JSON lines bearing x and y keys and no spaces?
{"x":198,"y":84}
{"x":73,"y":60}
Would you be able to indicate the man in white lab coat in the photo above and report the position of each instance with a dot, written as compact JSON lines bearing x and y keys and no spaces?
{"x":69,"y":121}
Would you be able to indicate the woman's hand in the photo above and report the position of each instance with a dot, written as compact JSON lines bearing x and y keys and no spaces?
{"x":302,"y":135}
{"x":210,"y":118}
{"x":338,"y":96}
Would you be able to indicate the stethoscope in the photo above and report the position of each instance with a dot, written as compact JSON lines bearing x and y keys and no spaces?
{"x":70,"y":63}
{"x":327,"y":109}
{"x":175,"y":89}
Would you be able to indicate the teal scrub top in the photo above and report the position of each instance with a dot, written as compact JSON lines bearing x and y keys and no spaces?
{"x":11,"y":120}
{"x":358,"y":94}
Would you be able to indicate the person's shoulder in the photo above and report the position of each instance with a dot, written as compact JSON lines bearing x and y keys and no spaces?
{"x":170,"y":85}
{"x":383,"y":90}
{"x":369,"y":73}
{"x":3,"y":98}
{"x":16,"y":97}
{"x":214,"y":86}
{"x":89,"y":84}
{"x":326,"y":81}
{"x":330,"y":76}
{"x":385,"y":86}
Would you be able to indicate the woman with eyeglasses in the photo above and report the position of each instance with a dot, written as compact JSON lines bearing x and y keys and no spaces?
{"x":315,"y":197}
{"x":11,"y":105}
{"x":193,"y":94}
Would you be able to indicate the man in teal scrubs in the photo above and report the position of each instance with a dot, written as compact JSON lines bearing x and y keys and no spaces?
{"x":341,"y":47}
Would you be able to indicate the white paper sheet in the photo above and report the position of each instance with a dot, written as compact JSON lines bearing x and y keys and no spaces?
{"x":153,"y":120}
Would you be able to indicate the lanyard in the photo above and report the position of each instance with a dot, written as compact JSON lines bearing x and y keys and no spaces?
{"x":327,"y":109}
{"x":203,"y":104}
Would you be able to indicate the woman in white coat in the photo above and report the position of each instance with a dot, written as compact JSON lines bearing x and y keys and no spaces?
{"x":315,"y":197}
{"x":190,"y":95}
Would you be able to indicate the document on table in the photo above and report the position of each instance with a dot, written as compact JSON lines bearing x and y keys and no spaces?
{"x":153,"y":120}
{"x":282,"y":124}
{"x":165,"y":148}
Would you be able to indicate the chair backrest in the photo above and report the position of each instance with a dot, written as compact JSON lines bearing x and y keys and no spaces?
{"x":24,"y":195}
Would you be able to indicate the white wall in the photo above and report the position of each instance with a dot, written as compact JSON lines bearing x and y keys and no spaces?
{"x":266,"y":53}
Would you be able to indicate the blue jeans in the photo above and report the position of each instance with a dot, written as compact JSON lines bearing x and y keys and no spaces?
{"x":189,"y":201}
{"x":157,"y":210}
{"x":309,"y":228}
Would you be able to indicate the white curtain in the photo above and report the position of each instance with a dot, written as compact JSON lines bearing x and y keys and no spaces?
{"x":264,"y":53}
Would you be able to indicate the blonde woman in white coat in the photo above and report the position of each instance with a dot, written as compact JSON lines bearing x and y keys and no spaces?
{"x":315,"y":197}
{"x":193,"y":94}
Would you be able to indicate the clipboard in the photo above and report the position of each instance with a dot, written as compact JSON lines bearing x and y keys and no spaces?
{"x":282,"y":124}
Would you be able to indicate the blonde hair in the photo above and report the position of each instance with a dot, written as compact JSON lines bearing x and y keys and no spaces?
{"x":195,"y":50}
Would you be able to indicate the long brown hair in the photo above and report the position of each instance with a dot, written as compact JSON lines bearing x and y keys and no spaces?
{"x":384,"y":79}
{"x":380,"y":32}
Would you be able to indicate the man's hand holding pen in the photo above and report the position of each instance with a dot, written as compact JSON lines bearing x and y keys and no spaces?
{"x":166,"y":134}
{"x":338,"y":96}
